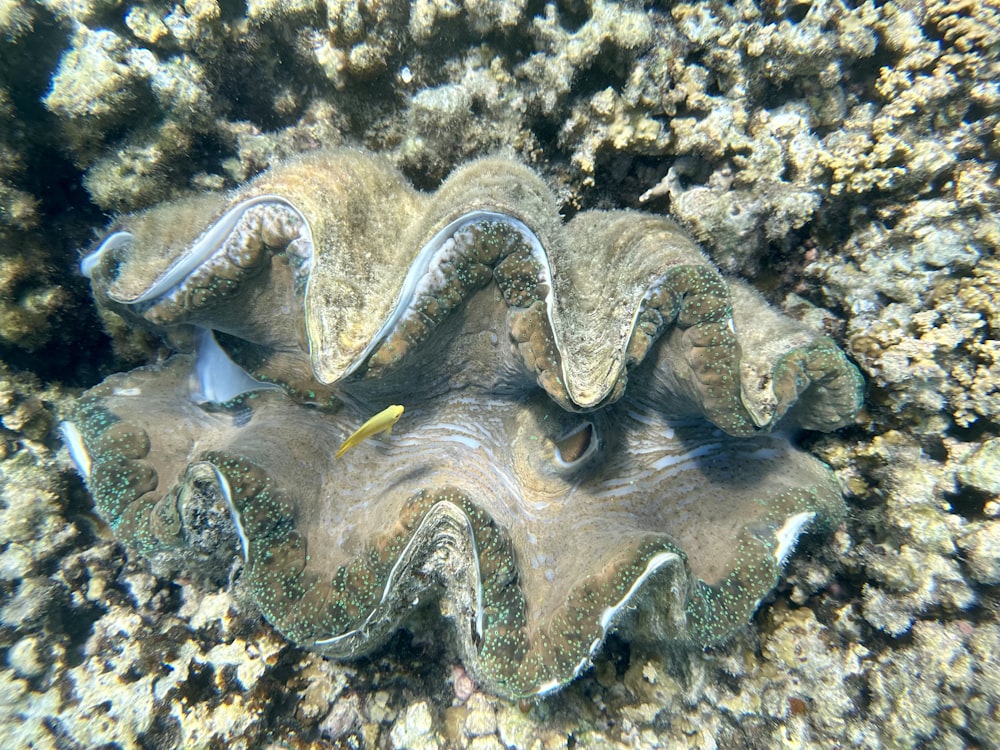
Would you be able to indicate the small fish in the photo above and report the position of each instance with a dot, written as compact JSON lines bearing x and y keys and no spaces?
{"x":381,"y":422}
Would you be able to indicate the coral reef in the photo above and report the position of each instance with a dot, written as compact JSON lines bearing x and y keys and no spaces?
{"x":843,"y":155}
{"x":36,"y":291}
{"x":29,"y":301}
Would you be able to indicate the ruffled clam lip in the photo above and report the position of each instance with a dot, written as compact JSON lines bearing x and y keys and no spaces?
{"x":188,"y":259}
{"x":425,"y":276}
{"x":112,"y":243}
{"x":384,"y":304}
{"x":77,"y":450}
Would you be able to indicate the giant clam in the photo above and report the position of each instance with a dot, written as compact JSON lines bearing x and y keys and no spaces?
{"x":588,"y":437}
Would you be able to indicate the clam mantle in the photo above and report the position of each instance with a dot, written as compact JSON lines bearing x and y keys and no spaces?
{"x":587,"y":440}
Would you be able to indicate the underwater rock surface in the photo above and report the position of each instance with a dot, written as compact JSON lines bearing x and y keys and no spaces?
{"x":586,"y":426}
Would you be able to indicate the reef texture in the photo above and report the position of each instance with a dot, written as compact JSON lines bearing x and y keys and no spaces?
{"x":29,"y":298}
{"x":555,"y":466}
{"x":841,"y":156}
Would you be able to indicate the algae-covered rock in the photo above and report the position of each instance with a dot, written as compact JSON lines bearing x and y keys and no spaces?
{"x":980,"y":471}
{"x":981,"y":545}
{"x":96,"y":85}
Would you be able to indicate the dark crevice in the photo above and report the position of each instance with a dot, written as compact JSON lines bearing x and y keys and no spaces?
{"x":546,"y":130}
{"x":233,"y":9}
{"x":797,"y":12}
{"x":968,"y":502}
{"x":977,"y":432}
{"x":244,"y":79}
{"x":80,"y":353}
{"x":164,"y":733}
{"x":934,"y":447}
{"x":572,"y":14}
{"x":78,"y":625}
{"x":610,"y":69}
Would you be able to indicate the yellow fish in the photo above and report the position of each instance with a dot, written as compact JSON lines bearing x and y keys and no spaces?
{"x":381,"y":422}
